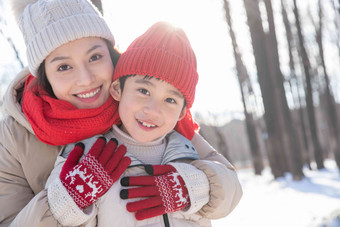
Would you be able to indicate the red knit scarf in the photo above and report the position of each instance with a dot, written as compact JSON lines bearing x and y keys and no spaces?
{"x":58,"y":122}
{"x":187,"y":126}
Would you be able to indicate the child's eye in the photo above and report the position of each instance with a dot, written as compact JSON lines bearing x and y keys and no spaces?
{"x":143,"y":91}
{"x":95,"y":57}
{"x":170,"y":100}
{"x":63,"y":67}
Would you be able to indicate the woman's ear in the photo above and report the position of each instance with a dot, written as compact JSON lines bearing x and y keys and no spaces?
{"x":183,"y":113}
{"x":115,"y":90}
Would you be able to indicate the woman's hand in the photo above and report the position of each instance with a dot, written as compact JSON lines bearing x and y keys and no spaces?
{"x":89,"y":179}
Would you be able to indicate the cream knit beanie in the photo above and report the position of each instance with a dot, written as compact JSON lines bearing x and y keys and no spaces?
{"x":48,"y":24}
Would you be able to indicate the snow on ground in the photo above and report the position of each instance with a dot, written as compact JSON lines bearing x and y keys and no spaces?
{"x":312,"y":202}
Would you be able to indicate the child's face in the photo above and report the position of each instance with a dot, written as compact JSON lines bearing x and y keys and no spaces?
{"x":148,"y":108}
{"x":80,"y":72}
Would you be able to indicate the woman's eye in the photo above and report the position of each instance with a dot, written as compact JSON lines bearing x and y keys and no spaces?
{"x":95,"y":57}
{"x":170,"y":100}
{"x":64,"y":67}
{"x":143,"y":91}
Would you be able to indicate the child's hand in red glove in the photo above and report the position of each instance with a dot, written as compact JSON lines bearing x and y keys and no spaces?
{"x":165,"y":188}
{"x":94,"y":175}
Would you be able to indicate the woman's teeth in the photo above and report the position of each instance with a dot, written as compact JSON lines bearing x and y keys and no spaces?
{"x":146,"y":125}
{"x":88,"y":95}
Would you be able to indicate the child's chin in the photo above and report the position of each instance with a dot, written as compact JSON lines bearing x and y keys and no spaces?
{"x":145,"y":140}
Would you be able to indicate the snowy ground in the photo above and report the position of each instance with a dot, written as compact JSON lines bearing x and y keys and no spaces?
{"x":312,"y":202}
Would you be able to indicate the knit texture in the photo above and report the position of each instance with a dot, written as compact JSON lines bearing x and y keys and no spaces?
{"x":57,"y":122}
{"x":87,"y":181}
{"x":197,"y":184}
{"x":174,"y":195}
{"x":46,"y":25}
{"x":164,"y":52}
{"x":63,"y":207}
{"x":165,"y":192}
{"x":187,"y":126}
{"x":150,"y":153}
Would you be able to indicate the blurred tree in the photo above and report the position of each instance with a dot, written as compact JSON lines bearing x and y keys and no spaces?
{"x":277,"y":159}
{"x":330,"y":103}
{"x":296,"y":93}
{"x":290,"y":138}
{"x":336,"y":23}
{"x":222,"y":145}
{"x":245,"y":86}
{"x":318,"y":156}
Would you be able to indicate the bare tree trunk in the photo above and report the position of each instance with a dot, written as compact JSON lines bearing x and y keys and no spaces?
{"x":309,"y":98}
{"x":298,"y":103}
{"x":276,"y":155}
{"x":222,"y":143}
{"x":332,"y":119}
{"x":243,"y":79}
{"x":337,"y":23}
{"x":254,"y":145}
{"x":293,"y":150}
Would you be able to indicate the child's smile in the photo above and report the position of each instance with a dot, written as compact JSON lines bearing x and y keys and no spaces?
{"x":144,"y":124}
{"x":149,"y":108}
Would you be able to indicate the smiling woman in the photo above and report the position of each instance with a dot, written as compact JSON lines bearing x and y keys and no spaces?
{"x":80,"y":72}
{"x":37,"y":124}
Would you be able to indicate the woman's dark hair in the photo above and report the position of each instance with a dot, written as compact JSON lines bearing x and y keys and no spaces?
{"x":45,"y":84}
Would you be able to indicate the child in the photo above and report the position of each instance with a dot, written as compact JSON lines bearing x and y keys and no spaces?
{"x":154,"y":82}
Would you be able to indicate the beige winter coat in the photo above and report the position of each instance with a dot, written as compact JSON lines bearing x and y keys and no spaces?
{"x":25,"y":164}
{"x":174,"y":150}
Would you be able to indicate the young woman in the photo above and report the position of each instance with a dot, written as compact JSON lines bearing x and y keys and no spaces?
{"x":66,"y":100}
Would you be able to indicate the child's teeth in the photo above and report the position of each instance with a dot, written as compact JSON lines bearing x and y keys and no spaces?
{"x":147,"y":125}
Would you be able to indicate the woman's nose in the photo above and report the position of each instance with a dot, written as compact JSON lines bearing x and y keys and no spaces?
{"x":85,"y":76}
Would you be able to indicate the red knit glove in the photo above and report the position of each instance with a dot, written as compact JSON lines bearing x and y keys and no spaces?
{"x":94,"y":175}
{"x":166,"y":191}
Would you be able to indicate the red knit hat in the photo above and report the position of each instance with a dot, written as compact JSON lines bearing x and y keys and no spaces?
{"x":164,"y":52}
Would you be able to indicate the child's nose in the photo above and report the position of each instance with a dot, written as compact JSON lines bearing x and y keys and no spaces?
{"x":152,"y":107}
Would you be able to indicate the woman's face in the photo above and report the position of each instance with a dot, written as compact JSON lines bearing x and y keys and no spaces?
{"x":80,"y":72}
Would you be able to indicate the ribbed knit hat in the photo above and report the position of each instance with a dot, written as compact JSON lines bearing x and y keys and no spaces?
{"x":164,"y":52}
{"x":48,"y":24}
